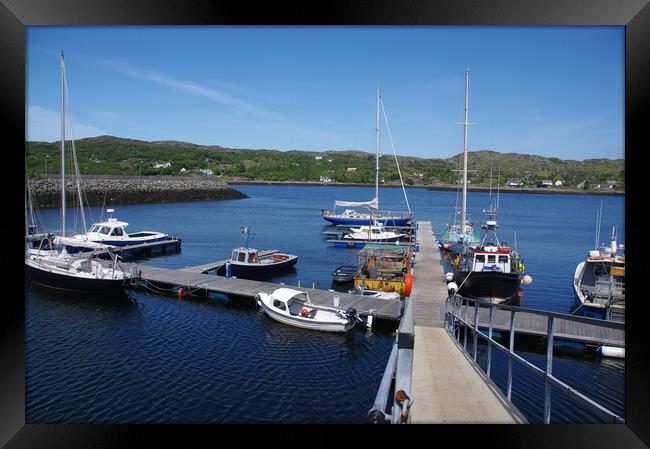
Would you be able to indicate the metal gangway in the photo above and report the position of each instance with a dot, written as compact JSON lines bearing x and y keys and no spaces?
{"x":457,"y":323}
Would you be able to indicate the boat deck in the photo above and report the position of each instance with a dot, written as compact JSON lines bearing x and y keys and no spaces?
{"x":151,"y":249}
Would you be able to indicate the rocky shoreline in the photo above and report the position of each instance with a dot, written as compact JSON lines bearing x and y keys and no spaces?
{"x":109,"y":190}
{"x":529,"y":190}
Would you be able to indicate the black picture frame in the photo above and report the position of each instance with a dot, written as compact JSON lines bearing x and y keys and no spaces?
{"x":15,"y":15}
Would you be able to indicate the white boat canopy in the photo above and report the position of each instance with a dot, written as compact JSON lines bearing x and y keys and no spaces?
{"x":373,"y":204}
{"x":285,"y":294}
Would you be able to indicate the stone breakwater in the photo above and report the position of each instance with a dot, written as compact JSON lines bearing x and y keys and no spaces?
{"x":110,"y":190}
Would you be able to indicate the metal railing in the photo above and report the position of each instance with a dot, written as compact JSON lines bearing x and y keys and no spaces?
{"x":399,"y":368}
{"x":454,"y":322}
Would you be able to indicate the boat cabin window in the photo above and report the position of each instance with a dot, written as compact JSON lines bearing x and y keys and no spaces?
{"x":492,"y":258}
{"x":601,"y":270}
{"x":241,"y":257}
{"x":480,"y":258}
{"x":117,"y":231}
{"x":504,"y":264}
{"x":104,"y":230}
{"x":94,"y":228}
{"x":279,"y":304}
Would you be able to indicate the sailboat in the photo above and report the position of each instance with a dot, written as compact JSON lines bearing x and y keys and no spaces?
{"x":351,"y":216}
{"x":490,"y":270}
{"x":50,"y":264}
{"x":459,"y":235}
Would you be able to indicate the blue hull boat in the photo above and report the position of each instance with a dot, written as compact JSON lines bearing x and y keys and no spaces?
{"x":366,"y":220}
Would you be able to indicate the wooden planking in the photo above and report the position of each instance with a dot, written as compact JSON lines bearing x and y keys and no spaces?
{"x":429,"y":293}
{"x":380,"y":308}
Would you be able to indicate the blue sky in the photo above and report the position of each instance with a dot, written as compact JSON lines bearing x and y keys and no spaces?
{"x":551,"y":91}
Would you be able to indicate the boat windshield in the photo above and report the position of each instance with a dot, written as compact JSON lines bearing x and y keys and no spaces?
{"x":103,"y":230}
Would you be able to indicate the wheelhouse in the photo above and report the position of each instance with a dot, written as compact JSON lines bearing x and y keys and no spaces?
{"x":244,"y":255}
{"x":491,"y":258}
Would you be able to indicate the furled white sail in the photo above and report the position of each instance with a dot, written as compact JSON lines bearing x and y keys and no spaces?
{"x":373,"y":204}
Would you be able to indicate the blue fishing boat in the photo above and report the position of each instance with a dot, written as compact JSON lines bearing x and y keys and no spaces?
{"x":250,"y":263}
{"x":351,"y":216}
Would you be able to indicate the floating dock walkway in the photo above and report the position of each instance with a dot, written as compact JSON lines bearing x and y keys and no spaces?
{"x":445,"y":385}
{"x":194,"y":279}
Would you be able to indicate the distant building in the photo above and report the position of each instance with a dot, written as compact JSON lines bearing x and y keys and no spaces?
{"x":558,"y":183}
{"x":318,"y":158}
{"x":183,"y":170}
{"x":352,"y":169}
{"x":582,"y":184}
{"x":545,"y":183}
{"x":206,"y":172}
{"x":325,"y":179}
{"x":418,"y":175}
{"x":514,"y":182}
{"x":611,"y":184}
{"x":162,"y":165}
{"x":330,"y":160}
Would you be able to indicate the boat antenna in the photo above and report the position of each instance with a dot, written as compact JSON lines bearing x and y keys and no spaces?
{"x":399,"y":172}
{"x":599,"y":217}
{"x":246,"y":231}
{"x":377,"y":150}
{"x":498,"y":182}
{"x":62,"y":149}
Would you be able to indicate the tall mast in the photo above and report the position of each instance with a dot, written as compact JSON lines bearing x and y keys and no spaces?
{"x":377,"y":157}
{"x":62,"y":151}
{"x":463,"y":211}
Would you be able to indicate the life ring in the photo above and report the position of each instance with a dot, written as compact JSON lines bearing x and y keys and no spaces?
{"x":408,"y":284}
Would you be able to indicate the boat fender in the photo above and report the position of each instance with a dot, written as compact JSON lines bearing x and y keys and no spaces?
{"x":304,"y":312}
{"x":408,"y":285}
{"x":611,"y":351}
{"x":527,"y":280}
{"x":449,"y":277}
{"x":452,"y":287}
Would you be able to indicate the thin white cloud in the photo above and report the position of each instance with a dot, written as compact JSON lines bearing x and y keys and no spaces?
{"x":189,"y":87}
{"x":45,"y":125}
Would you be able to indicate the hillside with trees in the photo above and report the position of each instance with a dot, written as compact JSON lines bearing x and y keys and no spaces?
{"x":107,"y":155}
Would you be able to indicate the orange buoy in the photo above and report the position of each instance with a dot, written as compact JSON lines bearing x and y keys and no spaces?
{"x":408,"y":285}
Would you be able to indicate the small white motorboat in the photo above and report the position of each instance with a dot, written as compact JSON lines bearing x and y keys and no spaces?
{"x":293,"y":307}
{"x":112,"y":232}
{"x":374,"y":233}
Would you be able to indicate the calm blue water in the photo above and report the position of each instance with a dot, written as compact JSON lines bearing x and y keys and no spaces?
{"x":151,"y":358}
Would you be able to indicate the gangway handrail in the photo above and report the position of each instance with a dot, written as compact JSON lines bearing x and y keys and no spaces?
{"x":400,"y":369}
{"x":454,"y":321}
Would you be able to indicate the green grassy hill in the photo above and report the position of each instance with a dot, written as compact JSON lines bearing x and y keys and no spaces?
{"x":107,"y":155}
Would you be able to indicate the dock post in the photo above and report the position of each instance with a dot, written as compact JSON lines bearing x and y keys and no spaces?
{"x":512,"y":350}
{"x":549,"y":371}
{"x":475,"y":329}
{"x":489,"y":360}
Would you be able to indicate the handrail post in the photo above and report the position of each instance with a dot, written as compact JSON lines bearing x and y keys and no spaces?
{"x":549,"y":370}
{"x":475,"y":328}
{"x":466,"y":326}
{"x":512,"y":350}
{"x":489,"y":357}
